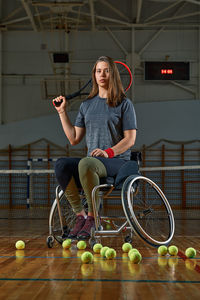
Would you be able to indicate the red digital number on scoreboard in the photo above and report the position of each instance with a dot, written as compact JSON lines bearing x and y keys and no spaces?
{"x":166,"y":71}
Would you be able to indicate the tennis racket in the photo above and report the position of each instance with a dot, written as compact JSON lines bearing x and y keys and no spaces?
{"x":125,"y":75}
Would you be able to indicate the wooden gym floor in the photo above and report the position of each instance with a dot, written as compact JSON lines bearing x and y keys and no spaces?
{"x":42,"y":273}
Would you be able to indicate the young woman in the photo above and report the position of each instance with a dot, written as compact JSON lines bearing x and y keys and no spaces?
{"x":108,"y":120}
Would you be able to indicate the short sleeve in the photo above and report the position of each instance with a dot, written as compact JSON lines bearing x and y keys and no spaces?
{"x":128,"y":115}
{"x":80,"y":119}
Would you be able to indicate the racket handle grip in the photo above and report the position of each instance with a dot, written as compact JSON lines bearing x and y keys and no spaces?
{"x":56,"y":103}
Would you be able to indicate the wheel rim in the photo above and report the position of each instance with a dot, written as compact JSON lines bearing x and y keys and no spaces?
{"x":143,"y":211}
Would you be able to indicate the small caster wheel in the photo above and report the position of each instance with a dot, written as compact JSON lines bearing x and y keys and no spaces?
{"x":50,"y":241}
{"x":100,"y":228}
{"x":92,"y":242}
{"x":128,"y":239}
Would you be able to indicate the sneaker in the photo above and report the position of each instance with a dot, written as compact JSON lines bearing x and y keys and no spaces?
{"x":84,"y":234}
{"x":80,"y":221}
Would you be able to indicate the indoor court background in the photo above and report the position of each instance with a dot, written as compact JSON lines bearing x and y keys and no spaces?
{"x":31,"y":139}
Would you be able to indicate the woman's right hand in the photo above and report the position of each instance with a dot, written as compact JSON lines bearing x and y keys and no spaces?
{"x":60,"y":103}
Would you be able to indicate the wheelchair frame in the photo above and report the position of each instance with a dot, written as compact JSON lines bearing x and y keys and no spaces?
{"x":129,"y":189}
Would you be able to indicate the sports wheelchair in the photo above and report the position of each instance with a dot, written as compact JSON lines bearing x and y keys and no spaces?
{"x":145,"y":209}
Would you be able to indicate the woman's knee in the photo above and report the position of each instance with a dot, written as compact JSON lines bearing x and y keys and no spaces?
{"x":66,"y":165}
{"x":91,"y":164}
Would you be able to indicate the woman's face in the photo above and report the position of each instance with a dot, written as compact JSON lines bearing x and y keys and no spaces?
{"x":102,"y":74}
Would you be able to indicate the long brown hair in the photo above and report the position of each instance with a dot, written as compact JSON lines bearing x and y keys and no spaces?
{"x":116,"y":92}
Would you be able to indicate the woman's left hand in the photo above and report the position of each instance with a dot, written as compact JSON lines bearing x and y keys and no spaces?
{"x":99,"y":152}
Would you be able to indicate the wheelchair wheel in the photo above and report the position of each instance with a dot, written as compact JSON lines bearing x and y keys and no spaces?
{"x":147,"y":210}
{"x":68,"y":219}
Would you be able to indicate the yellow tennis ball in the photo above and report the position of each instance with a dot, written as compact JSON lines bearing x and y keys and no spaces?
{"x":108,"y":225}
{"x":135,"y":257}
{"x":20,"y":245}
{"x":110,"y":253}
{"x":81,"y":245}
{"x":162,"y":250}
{"x":66,"y":244}
{"x":173,"y":250}
{"x":190,"y":252}
{"x":97,"y":248}
{"x":103,"y":251}
{"x":126,"y":247}
{"x":87,"y":257}
{"x":131,"y":251}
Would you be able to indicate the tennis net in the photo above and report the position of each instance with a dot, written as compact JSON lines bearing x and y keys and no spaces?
{"x":30,"y":193}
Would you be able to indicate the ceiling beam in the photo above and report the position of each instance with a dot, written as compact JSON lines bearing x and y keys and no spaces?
{"x":91,"y":3}
{"x":117,"y":41}
{"x":58,"y":4}
{"x":117,"y":11}
{"x":163,"y":10}
{"x":174,"y":18}
{"x":18,"y":20}
{"x":29,"y":14}
{"x":139,"y":8}
{"x":120,"y":22}
{"x":13,"y":13}
{"x":193,"y":1}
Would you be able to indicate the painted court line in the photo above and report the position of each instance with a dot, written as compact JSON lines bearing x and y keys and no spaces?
{"x":99,"y":280}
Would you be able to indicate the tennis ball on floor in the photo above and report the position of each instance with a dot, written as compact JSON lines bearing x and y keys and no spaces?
{"x":190,"y":252}
{"x":103,"y":251}
{"x":110,"y":253}
{"x":162,"y":250}
{"x":126,"y":247}
{"x":87,"y":257}
{"x":66,"y":244}
{"x":173,"y":250}
{"x":20,"y":245}
{"x":135,"y":257}
{"x":97,"y":248}
{"x":132,"y":250}
{"x":81,"y":245}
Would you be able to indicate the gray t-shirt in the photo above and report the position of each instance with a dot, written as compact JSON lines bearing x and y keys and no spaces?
{"x":104,"y":124}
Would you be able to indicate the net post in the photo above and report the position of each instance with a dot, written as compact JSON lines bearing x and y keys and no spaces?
{"x":144,"y":165}
{"x":163,"y":172}
{"x":182,"y":178}
{"x":28,"y":184}
{"x":48,"y":176}
{"x":10,"y":176}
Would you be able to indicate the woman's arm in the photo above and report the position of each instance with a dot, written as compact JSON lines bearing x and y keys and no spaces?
{"x":73,"y":133}
{"x":127,"y":142}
